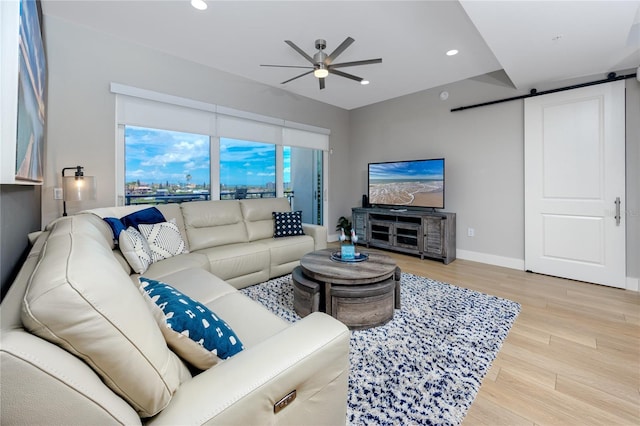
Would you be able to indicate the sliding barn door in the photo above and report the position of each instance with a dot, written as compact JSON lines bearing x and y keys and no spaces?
{"x":575,"y":184}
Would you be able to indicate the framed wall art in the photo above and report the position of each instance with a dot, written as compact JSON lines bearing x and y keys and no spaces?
{"x":23,"y":80}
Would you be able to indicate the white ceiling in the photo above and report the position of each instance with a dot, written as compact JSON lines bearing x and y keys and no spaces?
{"x":532,"y":41}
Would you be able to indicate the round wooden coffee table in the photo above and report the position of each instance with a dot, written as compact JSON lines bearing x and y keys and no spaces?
{"x":360,"y":294}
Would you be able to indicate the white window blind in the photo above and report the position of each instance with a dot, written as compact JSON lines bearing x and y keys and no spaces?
{"x":248,"y":130}
{"x":305,"y":139}
{"x":146,"y":108}
{"x":134,"y":111}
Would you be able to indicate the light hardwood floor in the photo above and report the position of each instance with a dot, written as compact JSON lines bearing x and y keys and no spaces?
{"x":572,"y":356}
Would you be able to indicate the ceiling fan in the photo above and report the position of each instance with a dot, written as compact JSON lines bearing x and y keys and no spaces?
{"x":322,"y":64}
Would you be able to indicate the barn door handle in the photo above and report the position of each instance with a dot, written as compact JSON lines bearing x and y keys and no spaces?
{"x":617,"y":216}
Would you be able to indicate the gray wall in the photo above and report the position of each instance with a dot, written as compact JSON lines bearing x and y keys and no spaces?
{"x":483,"y":148}
{"x":81,"y":110}
{"x":19,"y":215}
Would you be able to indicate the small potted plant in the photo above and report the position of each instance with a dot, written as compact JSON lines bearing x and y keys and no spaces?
{"x":344,"y":224}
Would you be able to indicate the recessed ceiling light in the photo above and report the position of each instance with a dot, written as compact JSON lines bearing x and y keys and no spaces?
{"x":452,"y":52}
{"x":199,"y":4}
{"x":364,"y":82}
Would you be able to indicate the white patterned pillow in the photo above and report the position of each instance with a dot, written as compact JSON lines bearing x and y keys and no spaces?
{"x":135,"y":249}
{"x":164,"y":239}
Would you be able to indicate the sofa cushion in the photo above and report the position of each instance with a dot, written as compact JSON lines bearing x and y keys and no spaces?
{"x":90,"y":225}
{"x":70,"y":302}
{"x":213,"y":223}
{"x":285,"y":252}
{"x":191,"y":329}
{"x":287,"y":224}
{"x":159,"y":270}
{"x":234,"y":308}
{"x":199,"y":284}
{"x":257,"y":214}
{"x":135,"y":249}
{"x":164,"y":239}
{"x":235,"y":260}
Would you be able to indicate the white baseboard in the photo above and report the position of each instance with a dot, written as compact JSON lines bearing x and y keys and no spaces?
{"x":632,"y":284}
{"x":491,"y":259}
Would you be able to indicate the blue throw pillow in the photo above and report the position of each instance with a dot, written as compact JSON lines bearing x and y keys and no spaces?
{"x":147,"y":216}
{"x":116,"y":226}
{"x":191,"y":329}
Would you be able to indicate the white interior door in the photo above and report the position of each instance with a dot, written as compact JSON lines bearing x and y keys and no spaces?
{"x":574,"y":175}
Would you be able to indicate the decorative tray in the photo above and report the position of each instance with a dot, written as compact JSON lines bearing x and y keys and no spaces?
{"x":360,"y":257}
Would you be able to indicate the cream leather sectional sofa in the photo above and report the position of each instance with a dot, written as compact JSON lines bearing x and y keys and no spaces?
{"x":80,"y":345}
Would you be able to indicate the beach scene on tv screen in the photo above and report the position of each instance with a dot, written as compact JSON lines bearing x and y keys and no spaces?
{"x":407,"y":183}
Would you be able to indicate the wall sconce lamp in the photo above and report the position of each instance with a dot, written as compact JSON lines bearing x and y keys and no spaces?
{"x":77,"y":187}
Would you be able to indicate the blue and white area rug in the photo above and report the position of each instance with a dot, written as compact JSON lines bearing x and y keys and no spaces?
{"x":425,"y":366}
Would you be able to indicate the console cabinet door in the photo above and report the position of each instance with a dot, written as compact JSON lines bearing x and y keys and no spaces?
{"x":408,"y":236}
{"x":434,"y":236}
{"x":381,"y":232}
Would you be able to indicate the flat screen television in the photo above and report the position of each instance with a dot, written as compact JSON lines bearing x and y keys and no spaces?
{"x":414,"y":183}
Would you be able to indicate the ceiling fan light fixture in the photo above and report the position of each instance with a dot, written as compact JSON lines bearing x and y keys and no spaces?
{"x":321,"y":71}
{"x":322,"y":64}
{"x":199,"y":4}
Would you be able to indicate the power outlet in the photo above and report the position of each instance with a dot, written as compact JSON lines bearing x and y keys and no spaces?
{"x":471,"y":232}
{"x":57,"y":193}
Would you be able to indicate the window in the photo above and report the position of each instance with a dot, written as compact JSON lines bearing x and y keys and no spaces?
{"x":214,"y":152}
{"x":163,"y":166}
{"x":247,"y":169}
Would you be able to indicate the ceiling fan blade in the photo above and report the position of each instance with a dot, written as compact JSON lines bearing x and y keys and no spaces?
{"x":321,"y":83}
{"x":355,"y":63}
{"x":298,"y":76}
{"x":285,"y":66}
{"x":300,"y":51}
{"x":344,"y":74}
{"x":346,"y":43}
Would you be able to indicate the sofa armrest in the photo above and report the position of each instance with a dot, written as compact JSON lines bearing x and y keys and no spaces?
{"x":310,"y":357}
{"x":319,"y":234}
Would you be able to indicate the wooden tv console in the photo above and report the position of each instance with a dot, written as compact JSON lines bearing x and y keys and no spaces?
{"x":426,"y":233}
